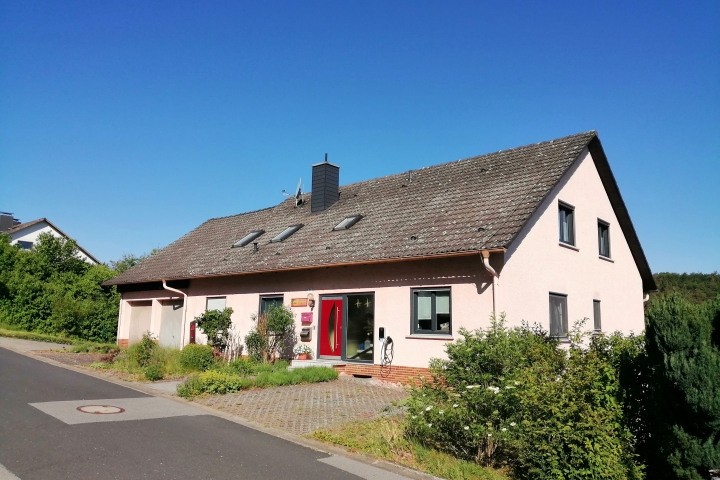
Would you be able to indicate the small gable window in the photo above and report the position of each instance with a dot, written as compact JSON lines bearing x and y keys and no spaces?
{"x":567,"y":223}
{"x":604,"y":238}
{"x":348,"y":222}
{"x":248,"y":238}
{"x":286,"y":233}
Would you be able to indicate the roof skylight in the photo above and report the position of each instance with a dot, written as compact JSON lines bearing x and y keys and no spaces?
{"x":286,"y":233}
{"x":348,"y":222}
{"x":248,"y":238}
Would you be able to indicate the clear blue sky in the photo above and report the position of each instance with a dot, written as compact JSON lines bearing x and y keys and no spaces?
{"x":130,"y":123}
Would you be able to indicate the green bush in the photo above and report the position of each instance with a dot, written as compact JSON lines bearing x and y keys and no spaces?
{"x":273,"y":335}
{"x":215,"y":324}
{"x":512,"y":398}
{"x":197,"y":357}
{"x":142,"y":351}
{"x":154,"y":372}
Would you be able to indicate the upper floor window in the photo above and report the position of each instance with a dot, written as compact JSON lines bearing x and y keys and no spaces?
{"x":567,"y":223}
{"x":431,"y":311}
{"x":286,"y":233}
{"x":604,"y":238}
{"x":215,"y":303}
{"x":558,"y":315}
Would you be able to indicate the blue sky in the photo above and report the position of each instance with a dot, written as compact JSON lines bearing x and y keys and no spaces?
{"x":130,"y":123}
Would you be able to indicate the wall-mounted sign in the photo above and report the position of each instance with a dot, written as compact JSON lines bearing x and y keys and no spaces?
{"x":298,"y":302}
{"x":306,"y":317}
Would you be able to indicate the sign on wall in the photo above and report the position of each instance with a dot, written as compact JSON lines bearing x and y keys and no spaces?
{"x":298,"y":302}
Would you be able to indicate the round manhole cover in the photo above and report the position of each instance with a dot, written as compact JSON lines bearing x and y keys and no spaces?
{"x":100,"y":409}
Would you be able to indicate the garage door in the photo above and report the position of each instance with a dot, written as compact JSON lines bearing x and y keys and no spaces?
{"x":140,"y":315}
{"x":171,"y":323}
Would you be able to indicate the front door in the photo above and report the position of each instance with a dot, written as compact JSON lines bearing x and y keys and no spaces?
{"x":331,"y":325}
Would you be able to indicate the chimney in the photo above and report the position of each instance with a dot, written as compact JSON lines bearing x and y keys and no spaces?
{"x":7,"y":222}
{"x":325,"y":185}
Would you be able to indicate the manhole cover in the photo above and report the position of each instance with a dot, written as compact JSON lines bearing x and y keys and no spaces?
{"x":100,"y":409}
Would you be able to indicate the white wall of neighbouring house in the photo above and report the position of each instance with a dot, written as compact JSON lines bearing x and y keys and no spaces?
{"x":536,"y":264}
{"x":31,"y":234}
{"x":391,"y":284}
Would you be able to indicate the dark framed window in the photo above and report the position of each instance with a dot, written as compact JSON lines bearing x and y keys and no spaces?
{"x":604,"y":238}
{"x":597,"y":323}
{"x":268,"y":301}
{"x":25,"y":245}
{"x":566,"y":215}
{"x":286,"y":233}
{"x":431,"y":311}
{"x":558,"y":315}
{"x":248,"y":238}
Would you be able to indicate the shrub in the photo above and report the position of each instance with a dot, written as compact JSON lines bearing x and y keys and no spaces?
{"x":273,"y":334}
{"x":242,"y":367}
{"x":215,"y":324}
{"x":512,"y":398}
{"x":197,"y":357}
{"x":154,"y":372}
{"x":212,"y":382}
{"x":142,"y":352}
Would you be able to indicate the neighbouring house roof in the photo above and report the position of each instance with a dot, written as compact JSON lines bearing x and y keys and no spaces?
{"x":479,"y":203}
{"x":23,"y":226}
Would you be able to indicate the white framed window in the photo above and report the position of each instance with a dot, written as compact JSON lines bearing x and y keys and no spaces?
{"x":215,"y":303}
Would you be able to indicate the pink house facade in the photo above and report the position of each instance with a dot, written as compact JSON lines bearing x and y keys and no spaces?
{"x":537,"y":232}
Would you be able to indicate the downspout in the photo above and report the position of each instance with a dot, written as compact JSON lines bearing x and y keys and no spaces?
{"x":646,"y":297}
{"x":185,"y":306}
{"x":486,"y":262}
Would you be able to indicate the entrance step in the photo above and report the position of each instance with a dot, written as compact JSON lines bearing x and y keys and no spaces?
{"x":316,"y":363}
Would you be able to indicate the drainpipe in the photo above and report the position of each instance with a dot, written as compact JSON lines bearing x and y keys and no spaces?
{"x":185,"y":306}
{"x":486,"y":262}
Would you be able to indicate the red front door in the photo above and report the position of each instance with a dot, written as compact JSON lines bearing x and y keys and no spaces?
{"x":331,"y":322}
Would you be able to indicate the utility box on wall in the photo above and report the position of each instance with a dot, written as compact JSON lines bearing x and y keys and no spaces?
{"x":305,"y":334}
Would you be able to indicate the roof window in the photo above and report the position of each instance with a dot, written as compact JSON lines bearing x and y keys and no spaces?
{"x":348,"y":222}
{"x":248,"y":238}
{"x":286,"y":233}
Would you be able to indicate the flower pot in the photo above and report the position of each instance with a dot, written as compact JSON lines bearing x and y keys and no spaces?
{"x":302,"y":356}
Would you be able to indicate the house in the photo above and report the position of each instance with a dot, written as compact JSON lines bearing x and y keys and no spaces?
{"x":539,"y":232}
{"x":26,"y":234}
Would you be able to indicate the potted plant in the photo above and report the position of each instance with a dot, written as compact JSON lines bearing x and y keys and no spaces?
{"x":302,"y":352}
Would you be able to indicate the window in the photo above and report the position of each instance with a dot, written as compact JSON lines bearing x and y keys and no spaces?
{"x":567,"y":223}
{"x":270,"y":301}
{"x":596,"y":316}
{"x":558,"y":315}
{"x":431,"y":311}
{"x":286,"y":233}
{"x":604,"y":238}
{"x":25,"y":245}
{"x":215,"y":303}
{"x":248,"y":238}
{"x":348,"y":222}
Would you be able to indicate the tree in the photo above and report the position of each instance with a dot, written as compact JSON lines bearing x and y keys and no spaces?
{"x":215,"y":324}
{"x":684,"y":355}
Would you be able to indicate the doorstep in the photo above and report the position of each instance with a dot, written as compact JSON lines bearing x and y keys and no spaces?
{"x":316,"y":363}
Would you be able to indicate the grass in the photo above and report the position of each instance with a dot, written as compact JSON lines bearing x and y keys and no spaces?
{"x":167,"y":358}
{"x":222,"y":381}
{"x":385,"y":438}
{"x":13,"y":331}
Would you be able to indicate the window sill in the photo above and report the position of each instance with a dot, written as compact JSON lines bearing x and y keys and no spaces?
{"x":607,"y":259}
{"x":567,"y":245}
{"x":448,"y":338}
{"x":562,"y":339}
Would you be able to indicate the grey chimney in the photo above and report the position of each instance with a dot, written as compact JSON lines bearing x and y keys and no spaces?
{"x":7,"y":222}
{"x":325,"y":185}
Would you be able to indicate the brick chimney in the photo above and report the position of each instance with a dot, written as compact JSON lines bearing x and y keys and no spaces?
{"x":325,"y":185}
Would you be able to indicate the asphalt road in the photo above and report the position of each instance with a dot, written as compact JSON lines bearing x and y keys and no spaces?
{"x":38,"y":439}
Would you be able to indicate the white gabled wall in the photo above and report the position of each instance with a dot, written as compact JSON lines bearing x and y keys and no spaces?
{"x":31,"y":234}
{"x":536,"y":264}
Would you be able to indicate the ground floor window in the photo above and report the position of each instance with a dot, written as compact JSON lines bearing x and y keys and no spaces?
{"x":215,"y":303}
{"x":596,"y":316}
{"x":558,"y":315}
{"x":431,"y":311}
{"x":268,"y":301}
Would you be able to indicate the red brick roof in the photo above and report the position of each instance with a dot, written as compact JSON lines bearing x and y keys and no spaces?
{"x":463,"y":206}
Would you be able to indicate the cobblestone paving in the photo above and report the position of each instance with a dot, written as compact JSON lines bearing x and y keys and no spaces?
{"x":301,"y":409}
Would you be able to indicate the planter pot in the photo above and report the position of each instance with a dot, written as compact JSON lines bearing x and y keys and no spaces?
{"x":303,"y":356}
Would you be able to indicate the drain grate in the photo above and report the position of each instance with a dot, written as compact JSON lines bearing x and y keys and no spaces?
{"x":100,"y":409}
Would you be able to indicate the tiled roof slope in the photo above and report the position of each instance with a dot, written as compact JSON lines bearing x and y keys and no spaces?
{"x":462,"y":206}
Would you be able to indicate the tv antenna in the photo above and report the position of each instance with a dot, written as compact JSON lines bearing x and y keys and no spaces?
{"x":298,"y":194}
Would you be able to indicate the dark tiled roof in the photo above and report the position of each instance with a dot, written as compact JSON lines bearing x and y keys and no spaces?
{"x":462,"y":206}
